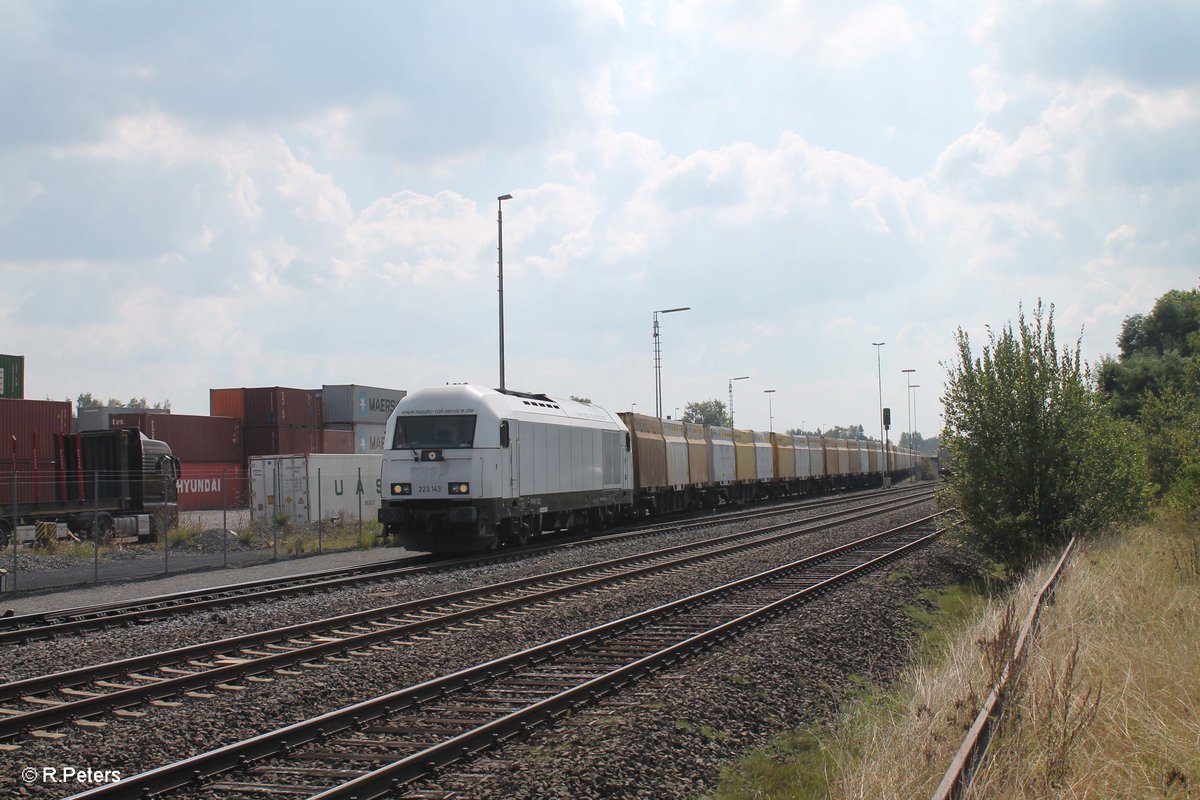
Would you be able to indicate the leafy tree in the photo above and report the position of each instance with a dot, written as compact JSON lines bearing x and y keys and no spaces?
{"x":707,"y":412}
{"x":1156,"y":350}
{"x":87,"y":400}
{"x":846,"y":432}
{"x":1037,"y":455}
{"x":919,"y":442}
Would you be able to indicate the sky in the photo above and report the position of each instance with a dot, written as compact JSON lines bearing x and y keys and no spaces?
{"x":199,"y":195}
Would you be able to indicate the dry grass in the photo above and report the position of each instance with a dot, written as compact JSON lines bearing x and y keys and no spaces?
{"x":1111,"y":706}
{"x":1108,"y":706}
{"x":898,"y":745}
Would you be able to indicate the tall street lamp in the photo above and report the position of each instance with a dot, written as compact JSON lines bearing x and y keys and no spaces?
{"x":500,"y":249}
{"x":914,"y":388}
{"x":658,"y":359}
{"x":770,"y":410}
{"x":731,"y":380}
{"x":907,"y":396}
{"x":879,"y":380}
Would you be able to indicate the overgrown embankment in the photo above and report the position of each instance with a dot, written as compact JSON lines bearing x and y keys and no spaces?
{"x":1107,"y":706}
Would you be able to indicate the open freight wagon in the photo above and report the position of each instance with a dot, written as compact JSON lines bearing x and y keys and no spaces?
{"x":117,"y":480}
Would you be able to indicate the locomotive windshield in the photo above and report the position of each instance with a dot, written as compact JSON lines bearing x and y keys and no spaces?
{"x":434,"y":432}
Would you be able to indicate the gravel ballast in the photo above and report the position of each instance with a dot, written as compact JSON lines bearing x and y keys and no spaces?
{"x":825,"y":649}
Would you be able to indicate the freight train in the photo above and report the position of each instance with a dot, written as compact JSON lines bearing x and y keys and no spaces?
{"x":468,"y":468}
{"x":118,"y":481}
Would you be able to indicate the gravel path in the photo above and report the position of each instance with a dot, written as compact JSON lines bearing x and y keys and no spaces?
{"x":133,"y":745}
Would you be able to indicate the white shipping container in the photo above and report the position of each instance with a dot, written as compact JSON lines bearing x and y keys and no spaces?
{"x":305,"y":487}
{"x":351,"y":403}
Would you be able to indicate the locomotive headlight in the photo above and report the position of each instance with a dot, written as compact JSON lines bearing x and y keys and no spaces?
{"x":401,"y":488}
{"x":460,"y":488}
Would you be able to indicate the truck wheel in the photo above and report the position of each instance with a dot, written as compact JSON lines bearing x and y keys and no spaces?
{"x":106,"y":525}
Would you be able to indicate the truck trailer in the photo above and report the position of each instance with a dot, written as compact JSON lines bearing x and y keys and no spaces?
{"x":117,"y":481}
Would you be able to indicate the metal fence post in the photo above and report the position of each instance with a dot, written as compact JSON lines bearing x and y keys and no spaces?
{"x":319,"y":513}
{"x":96,"y":521}
{"x":165,"y":516}
{"x":359,"y":490}
{"x":14,"y":523}
{"x":224,"y":519}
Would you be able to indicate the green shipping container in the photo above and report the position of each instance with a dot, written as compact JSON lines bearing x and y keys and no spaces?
{"x":12,"y":377}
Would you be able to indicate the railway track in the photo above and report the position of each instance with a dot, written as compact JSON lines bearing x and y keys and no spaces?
{"x":378,"y":747}
{"x":84,"y":696}
{"x":29,"y":627}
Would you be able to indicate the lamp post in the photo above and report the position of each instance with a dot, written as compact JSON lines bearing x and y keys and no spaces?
{"x":879,"y":379}
{"x":913,"y":389}
{"x":500,"y":249}
{"x":907,"y":396}
{"x":770,"y":410}
{"x":658,"y":359}
{"x":731,"y":380}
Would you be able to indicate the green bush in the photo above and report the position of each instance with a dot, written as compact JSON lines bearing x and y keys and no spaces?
{"x":1037,"y":456}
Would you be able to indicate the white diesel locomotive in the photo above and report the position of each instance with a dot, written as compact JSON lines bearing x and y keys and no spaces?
{"x":468,"y":468}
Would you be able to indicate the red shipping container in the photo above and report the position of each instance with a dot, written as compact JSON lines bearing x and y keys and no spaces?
{"x":204,"y":487}
{"x":191,"y":437}
{"x":337,"y":441}
{"x":227,"y":403}
{"x":30,"y":483}
{"x":281,"y":440}
{"x":276,"y":405}
{"x":21,"y":418}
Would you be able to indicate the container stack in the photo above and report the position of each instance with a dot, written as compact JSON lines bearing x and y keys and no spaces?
{"x":275,"y":419}
{"x":210,"y":450}
{"x":360,"y":411}
{"x":28,"y":433}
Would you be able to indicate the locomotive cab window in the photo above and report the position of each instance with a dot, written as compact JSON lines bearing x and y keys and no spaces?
{"x":435,"y":432}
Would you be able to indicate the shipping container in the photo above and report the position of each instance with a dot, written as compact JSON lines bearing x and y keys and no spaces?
{"x":843,"y":449}
{"x":212,"y":486}
{"x":649,"y":450}
{"x":829,"y":453}
{"x":192,"y":437}
{"x":227,"y":403}
{"x":697,"y":453}
{"x":722,"y":459}
{"x":277,"y":405}
{"x":277,"y":439}
{"x":99,"y":418}
{"x":325,"y":486}
{"x":785,"y":455}
{"x":267,"y":406}
{"x":803,"y":460}
{"x":677,"y":452}
{"x":337,"y":442}
{"x":764,"y":456}
{"x":12,"y":377}
{"x":34,"y":481}
{"x":743,"y":443}
{"x":366,"y":437}
{"x":351,"y":403}
{"x":30,"y":420}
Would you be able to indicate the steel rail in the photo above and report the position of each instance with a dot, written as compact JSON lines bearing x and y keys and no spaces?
{"x":195,"y":770}
{"x":27,"y":627}
{"x":248,"y":662}
{"x":974,"y":747}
